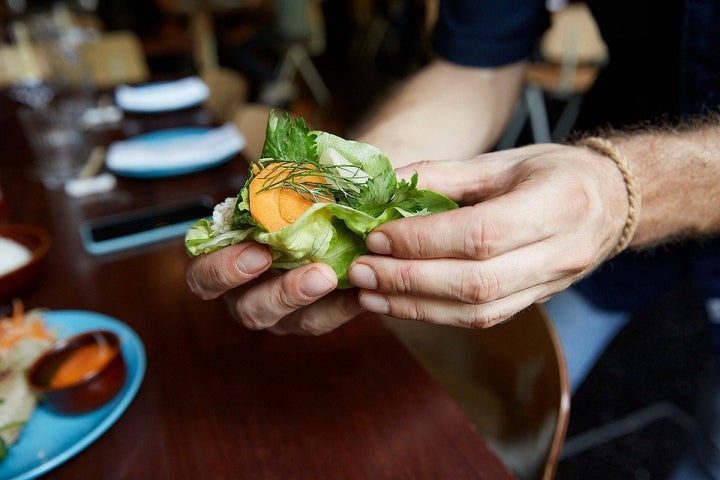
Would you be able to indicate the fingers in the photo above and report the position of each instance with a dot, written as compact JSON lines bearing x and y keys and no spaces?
{"x":323,"y":316}
{"x":477,"y":232}
{"x":447,"y":312}
{"x":539,"y":198}
{"x":273,"y":299}
{"x":213,"y":274}
{"x":295,"y":301}
{"x":468,"y":281}
{"x":469,"y":181}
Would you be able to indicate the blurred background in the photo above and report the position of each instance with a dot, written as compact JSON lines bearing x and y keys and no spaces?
{"x":330,"y":61}
{"x":286,"y":53}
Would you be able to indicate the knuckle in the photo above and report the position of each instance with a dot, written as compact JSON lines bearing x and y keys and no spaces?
{"x":194,"y":287}
{"x":404,"y":280}
{"x":220,"y":277}
{"x":193,"y":278}
{"x":284,"y":300}
{"x":416,"y":312}
{"x":479,"y":239}
{"x":578,"y":200}
{"x":482,"y":317}
{"x":408,"y":310}
{"x":579,"y":260}
{"x":209,"y":277}
{"x":248,"y":317}
{"x":476,"y":288}
{"x":311,"y":326}
{"x":337,"y":310}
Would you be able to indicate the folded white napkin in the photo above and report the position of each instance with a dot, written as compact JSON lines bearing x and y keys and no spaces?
{"x":176,"y":152}
{"x":162,"y":96}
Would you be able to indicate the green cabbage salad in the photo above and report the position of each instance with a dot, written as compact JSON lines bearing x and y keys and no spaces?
{"x":358,"y":176}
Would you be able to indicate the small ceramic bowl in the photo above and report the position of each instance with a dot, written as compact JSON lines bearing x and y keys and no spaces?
{"x":25,"y":276}
{"x":80,"y":373}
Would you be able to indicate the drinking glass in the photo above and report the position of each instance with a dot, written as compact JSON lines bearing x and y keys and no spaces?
{"x":58,"y":144}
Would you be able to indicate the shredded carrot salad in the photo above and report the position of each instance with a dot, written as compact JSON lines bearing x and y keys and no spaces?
{"x":21,"y":325}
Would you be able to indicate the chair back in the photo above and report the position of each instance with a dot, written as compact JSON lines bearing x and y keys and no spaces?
{"x":21,"y":64}
{"x":510,"y":380}
{"x":228,"y":92}
{"x":114,"y":58}
{"x":251,"y":120}
{"x":573,"y":36}
{"x":571,"y":52}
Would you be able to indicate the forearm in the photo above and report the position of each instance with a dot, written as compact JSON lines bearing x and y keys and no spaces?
{"x":445,"y":111}
{"x":678,"y":172}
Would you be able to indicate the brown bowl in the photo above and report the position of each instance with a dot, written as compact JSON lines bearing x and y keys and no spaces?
{"x":84,"y":389}
{"x":25,"y":276}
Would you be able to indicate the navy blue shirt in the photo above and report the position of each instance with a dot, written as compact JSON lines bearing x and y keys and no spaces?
{"x":664,"y":63}
{"x":489,"y":33}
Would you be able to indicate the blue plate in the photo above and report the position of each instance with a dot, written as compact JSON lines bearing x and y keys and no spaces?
{"x":50,"y":438}
{"x":164,"y":166}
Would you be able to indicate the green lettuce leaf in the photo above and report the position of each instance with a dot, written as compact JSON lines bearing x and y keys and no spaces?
{"x":362,"y":180}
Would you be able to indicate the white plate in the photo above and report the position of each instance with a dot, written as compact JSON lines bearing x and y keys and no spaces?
{"x":162,"y":96}
{"x":50,"y":438}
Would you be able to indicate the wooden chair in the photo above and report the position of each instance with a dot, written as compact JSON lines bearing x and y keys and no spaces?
{"x":301,"y":27}
{"x":571,"y":54}
{"x":18,"y":64}
{"x":228,"y":92}
{"x":114,"y":58}
{"x":251,"y":120}
{"x":510,"y":379}
{"x":24,"y":60}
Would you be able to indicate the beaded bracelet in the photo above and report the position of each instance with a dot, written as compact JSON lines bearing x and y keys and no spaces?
{"x":609,"y":149}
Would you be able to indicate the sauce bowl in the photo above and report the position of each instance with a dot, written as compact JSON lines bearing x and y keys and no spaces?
{"x":20,"y":279}
{"x":80,"y":373}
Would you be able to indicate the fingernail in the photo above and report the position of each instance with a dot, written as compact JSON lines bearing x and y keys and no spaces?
{"x":378,"y":242}
{"x":373,"y":302}
{"x":252,"y":260}
{"x":363,"y":276}
{"x":315,"y":282}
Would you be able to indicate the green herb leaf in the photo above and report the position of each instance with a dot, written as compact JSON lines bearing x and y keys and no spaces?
{"x":286,"y":139}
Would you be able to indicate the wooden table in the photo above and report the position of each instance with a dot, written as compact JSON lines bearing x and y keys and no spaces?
{"x":218,"y":401}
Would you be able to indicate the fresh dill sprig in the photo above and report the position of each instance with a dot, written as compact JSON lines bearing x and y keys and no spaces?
{"x":293,"y":175}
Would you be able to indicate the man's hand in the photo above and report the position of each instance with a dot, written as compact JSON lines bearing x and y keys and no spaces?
{"x":296,"y":301}
{"x":537,"y":219}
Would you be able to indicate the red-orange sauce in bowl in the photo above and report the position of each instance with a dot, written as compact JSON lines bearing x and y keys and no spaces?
{"x":80,"y":373}
{"x":81,"y":362}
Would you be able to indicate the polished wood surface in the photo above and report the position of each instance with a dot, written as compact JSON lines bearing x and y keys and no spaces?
{"x":218,"y":401}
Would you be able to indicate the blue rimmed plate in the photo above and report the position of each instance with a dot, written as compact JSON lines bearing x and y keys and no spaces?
{"x":50,"y":438}
{"x":174,"y":151}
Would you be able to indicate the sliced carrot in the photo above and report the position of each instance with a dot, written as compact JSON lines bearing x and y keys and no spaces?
{"x":277,"y":207}
{"x":21,"y":325}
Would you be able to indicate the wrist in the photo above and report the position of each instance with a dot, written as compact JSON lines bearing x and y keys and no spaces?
{"x":632,"y":187}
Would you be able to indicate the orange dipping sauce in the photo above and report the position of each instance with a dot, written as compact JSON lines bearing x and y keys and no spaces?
{"x":82,"y":362}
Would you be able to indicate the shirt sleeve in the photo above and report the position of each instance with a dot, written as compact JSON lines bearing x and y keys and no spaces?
{"x":489,"y":33}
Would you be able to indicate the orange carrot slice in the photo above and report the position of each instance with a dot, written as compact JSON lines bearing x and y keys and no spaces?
{"x":276,"y":207}
{"x":20,"y":325}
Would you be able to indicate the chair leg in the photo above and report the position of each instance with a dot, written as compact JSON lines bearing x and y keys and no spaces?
{"x":538,"y":114}
{"x":512,"y":132}
{"x":297,"y":59}
{"x":626,"y":425}
{"x":567,"y":118}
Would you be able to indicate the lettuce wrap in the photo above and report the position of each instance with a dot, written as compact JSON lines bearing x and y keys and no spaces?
{"x":352,"y":190}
